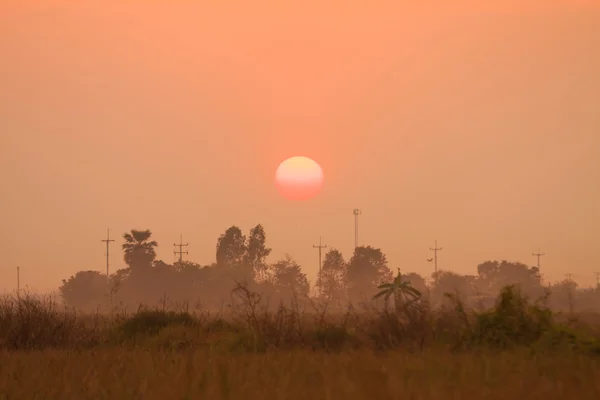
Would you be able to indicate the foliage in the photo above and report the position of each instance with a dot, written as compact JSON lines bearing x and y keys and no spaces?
{"x":451,"y":282}
{"x":150,"y":322}
{"x":231,"y":248}
{"x":513,"y":321}
{"x":366,"y":270}
{"x":239,"y":258}
{"x":28,"y":323}
{"x":139,"y":251}
{"x":85,"y":290}
{"x":401,"y":290}
{"x":257,"y":252}
{"x":494,"y":275}
{"x":287,"y":279}
{"x":416,"y":281}
{"x":331,"y":280}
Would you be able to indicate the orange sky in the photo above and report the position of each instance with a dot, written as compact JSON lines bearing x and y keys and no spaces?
{"x":478,"y":126}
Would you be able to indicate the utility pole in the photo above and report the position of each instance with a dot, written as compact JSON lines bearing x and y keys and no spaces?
{"x":569,"y":276}
{"x":435,"y":251}
{"x":107,"y":241}
{"x":320,"y":247}
{"x":181,"y":245}
{"x":538,"y":255}
{"x":18,"y":282}
{"x":597,"y":280}
{"x":356,"y":212}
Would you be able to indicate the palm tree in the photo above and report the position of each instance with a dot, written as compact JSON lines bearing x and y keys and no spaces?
{"x":402,"y":291}
{"x":139,"y":251}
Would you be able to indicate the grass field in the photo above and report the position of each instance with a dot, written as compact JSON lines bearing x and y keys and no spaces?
{"x":515,"y":351}
{"x":196,"y":374}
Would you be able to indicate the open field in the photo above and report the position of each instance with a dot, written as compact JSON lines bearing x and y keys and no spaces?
{"x":515,"y":350}
{"x":115,"y":373}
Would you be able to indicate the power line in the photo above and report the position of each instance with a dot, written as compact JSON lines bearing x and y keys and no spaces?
{"x":356,"y":213}
{"x":107,"y":241}
{"x":181,"y":245}
{"x":435,"y":258}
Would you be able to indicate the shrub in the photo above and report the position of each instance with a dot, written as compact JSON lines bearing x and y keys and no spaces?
{"x":150,"y":322}
{"x":513,"y":321}
{"x":28,"y":323}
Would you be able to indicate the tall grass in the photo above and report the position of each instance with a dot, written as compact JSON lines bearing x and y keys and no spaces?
{"x":28,"y":323}
{"x":517,"y":349}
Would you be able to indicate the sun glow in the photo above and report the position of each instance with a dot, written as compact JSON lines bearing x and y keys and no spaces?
{"x":299,"y":178}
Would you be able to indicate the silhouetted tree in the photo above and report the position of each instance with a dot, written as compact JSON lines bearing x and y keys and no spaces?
{"x":563,"y":295}
{"x":416,"y":281}
{"x":331,"y":280}
{"x":494,"y":275}
{"x":453,"y":283}
{"x":86,"y":290}
{"x":287,"y":279}
{"x":400,"y":289}
{"x":187,"y":267}
{"x":257,"y":252}
{"x":139,"y":251}
{"x":231,"y":251}
{"x":586,"y":300}
{"x":367,"y":269}
{"x":231,"y":248}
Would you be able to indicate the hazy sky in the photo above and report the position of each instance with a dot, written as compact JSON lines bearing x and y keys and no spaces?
{"x":475,"y":126}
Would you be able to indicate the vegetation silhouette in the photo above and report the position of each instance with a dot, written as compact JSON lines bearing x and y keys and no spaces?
{"x":148,"y":282}
{"x":191,"y":328}
{"x":401,"y":290}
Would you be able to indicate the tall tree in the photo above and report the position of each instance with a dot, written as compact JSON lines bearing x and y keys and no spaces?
{"x":231,"y":247}
{"x":367,"y":269}
{"x":331,"y":280}
{"x":231,"y":252}
{"x":288,"y":279}
{"x":139,"y":251}
{"x":257,"y":252}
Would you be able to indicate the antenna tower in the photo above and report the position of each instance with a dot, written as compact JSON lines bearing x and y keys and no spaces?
{"x":356,"y":213}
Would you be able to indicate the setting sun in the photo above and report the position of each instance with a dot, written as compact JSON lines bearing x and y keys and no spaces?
{"x":299,"y":178}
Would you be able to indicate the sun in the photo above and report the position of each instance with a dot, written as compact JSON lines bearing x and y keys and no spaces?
{"x":299,"y":178}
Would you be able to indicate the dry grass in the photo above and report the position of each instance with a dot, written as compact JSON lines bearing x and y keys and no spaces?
{"x":196,"y":374}
{"x":516,"y":350}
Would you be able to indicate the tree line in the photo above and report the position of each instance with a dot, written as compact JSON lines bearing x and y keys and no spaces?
{"x":242,"y":259}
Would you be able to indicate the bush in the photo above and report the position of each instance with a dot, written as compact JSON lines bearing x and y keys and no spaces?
{"x":514,"y":321}
{"x":150,"y":322}
{"x":331,"y":338}
{"x":28,"y":323}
